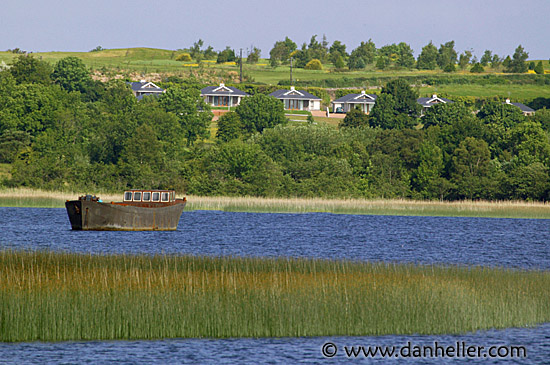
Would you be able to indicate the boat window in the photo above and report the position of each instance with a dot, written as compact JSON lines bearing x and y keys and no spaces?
{"x":137,"y":196}
{"x":146,"y":196}
{"x":173,"y":196}
{"x":164,"y":197}
{"x":127,"y":196}
{"x":156,"y":196}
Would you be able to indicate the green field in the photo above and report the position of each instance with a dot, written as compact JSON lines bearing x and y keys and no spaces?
{"x":47,"y":296}
{"x":140,"y":62}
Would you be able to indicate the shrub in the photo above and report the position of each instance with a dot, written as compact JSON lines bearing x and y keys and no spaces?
{"x":314,"y":64}
{"x":477,"y":68}
{"x":184,"y":57}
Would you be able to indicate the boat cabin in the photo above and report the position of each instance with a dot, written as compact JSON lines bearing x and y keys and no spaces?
{"x":150,"y":196}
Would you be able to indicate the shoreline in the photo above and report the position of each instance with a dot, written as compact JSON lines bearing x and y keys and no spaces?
{"x":31,"y":198}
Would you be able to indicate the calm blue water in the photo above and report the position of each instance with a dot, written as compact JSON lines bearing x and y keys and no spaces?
{"x":517,"y":243}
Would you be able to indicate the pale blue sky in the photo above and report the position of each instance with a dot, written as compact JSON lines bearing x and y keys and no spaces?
{"x":78,"y":25}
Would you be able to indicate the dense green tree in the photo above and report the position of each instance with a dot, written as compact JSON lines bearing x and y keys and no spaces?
{"x":446,"y":113}
{"x":542,"y":116}
{"x":72,"y":74}
{"x":318,"y":50}
{"x":471,"y":169}
{"x":301,"y":56}
{"x":464,"y":59}
{"x":428,"y":179}
{"x":260,"y":111}
{"x":539,"y":68}
{"x":517,"y":64}
{"x":446,"y":54}
{"x":486,"y":58}
{"x":281,"y":50}
{"x":354,"y":118}
{"x":28,"y":69}
{"x":339,"y":62}
{"x":527,"y":182}
{"x":191,"y":110}
{"x":363,"y":55}
{"x":13,"y":142}
{"x":253,"y":56}
{"x":229,"y":127}
{"x":404,"y":95}
{"x":405,"y":55}
{"x":195,"y":51}
{"x":227,"y":55}
{"x":496,"y":61}
{"x":427,"y":60}
{"x":337,"y":50}
{"x":477,"y":68}
{"x":529,"y":142}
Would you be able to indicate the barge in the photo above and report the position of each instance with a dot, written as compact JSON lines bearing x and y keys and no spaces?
{"x":140,"y":210}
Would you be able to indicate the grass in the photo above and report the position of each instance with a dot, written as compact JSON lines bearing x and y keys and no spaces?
{"x":49,"y":296}
{"x":21,"y":197}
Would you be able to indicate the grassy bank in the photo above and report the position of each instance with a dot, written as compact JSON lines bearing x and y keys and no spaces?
{"x":59,"y":296}
{"x":504,"y":209}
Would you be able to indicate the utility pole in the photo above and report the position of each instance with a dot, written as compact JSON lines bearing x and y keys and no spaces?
{"x":241,"y":73}
{"x":290,"y":71}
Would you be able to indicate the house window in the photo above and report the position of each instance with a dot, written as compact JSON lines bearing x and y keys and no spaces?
{"x":137,"y":196}
{"x":156,"y":196}
{"x":146,"y":196}
{"x":164,"y":197}
{"x":127,"y":196}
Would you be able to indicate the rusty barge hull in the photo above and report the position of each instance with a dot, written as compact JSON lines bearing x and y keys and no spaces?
{"x":87,"y":215}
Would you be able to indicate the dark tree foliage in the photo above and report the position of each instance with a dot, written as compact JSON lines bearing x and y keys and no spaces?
{"x":259,"y":112}
{"x":517,"y":64}
{"x":362,"y":55}
{"x":446,"y":55}
{"x":354,"y":118}
{"x":72,"y":74}
{"x":227,"y":55}
{"x":427,"y":60}
{"x":477,"y":68}
{"x":229,"y":127}
{"x":27,"y":69}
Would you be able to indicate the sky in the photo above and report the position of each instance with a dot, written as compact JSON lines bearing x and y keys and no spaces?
{"x":78,"y":25}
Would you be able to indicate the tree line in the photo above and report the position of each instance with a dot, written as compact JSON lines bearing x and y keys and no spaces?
{"x":59,"y":129}
{"x":314,"y":54}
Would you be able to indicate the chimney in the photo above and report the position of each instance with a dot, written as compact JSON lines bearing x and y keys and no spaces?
{"x":507,"y":100}
{"x":362,"y":92}
{"x":292,"y":88}
{"x":434,"y":96}
{"x":222,"y":84}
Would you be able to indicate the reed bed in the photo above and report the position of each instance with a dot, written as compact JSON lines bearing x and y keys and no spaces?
{"x":22,"y":197}
{"x":50,"y":296}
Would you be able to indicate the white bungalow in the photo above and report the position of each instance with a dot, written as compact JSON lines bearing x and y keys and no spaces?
{"x":223,"y":95}
{"x":143,"y":88}
{"x":346,"y":103}
{"x":298,"y":99}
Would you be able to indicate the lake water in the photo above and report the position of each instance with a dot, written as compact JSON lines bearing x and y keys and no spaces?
{"x":516,"y":243}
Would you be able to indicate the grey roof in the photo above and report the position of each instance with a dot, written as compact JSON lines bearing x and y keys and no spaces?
{"x":223,"y":91}
{"x":524,"y":108}
{"x":355,"y":98}
{"x":280,"y":94}
{"x":425,"y":102}
{"x":139,"y":87}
